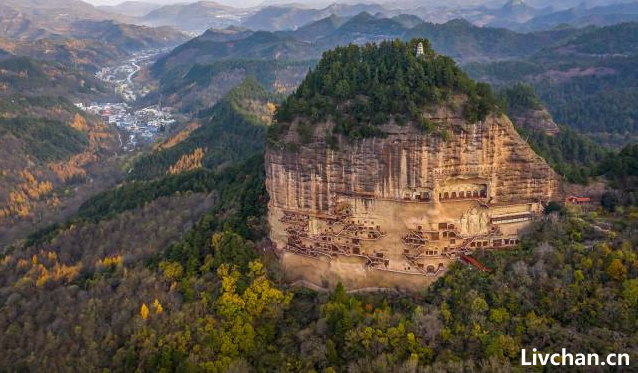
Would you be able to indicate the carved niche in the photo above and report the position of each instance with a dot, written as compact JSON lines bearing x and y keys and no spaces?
{"x":474,"y":222}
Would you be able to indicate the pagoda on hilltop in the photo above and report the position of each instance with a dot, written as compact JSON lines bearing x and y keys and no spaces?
{"x":419,"y":50}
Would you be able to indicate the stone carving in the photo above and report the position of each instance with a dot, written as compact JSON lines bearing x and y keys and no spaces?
{"x":474,"y":223}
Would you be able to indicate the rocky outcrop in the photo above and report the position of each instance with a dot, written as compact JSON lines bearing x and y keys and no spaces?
{"x":538,"y":120}
{"x":396,"y":211}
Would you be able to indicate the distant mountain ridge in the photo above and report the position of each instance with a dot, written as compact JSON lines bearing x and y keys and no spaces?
{"x":31,"y":19}
{"x":457,"y":38}
{"x":130,"y":8}
{"x":70,"y":19}
{"x":193,"y":17}
{"x":203,"y":15}
{"x":581,"y":16}
{"x":127,"y":36}
{"x":275,"y":18}
{"x":200,"y":71}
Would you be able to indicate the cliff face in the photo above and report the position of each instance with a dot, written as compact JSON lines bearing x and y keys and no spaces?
{"x":490,"y":151}
{"x":395,"y":211}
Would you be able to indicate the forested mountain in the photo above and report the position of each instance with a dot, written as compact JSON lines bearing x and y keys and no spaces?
{"x":46,"y":144}
{"x":159,"y":259}
{"x":466,"y":42}
{"x":160,"y":305}
{"x":226,"y":34}
{"x":78,"y":54}
{"x":321,"y":28}
{"x":509,"y":13}
{"x":571,"y":154}
{"x":26,"y":76}
{"x":194,"y":87}
{"x":362,"y":88}
{"x":232,"y":130}
{"x":513,"y":12}
{"x":408,"y":20}
{"x":457,"y":38}
{"x":259,"y":45}
{"x":531,"y":15}
{"x":588,"y":82}
{"x":53,"y":155}
{"x":31,"y":19}
{"x":162,"y":286}
{"x":54,"y":12}
{"x":363,"y":28}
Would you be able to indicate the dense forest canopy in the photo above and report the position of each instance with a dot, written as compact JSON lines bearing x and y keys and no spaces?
{"x":363,"y":87}
{"x":574,"y":156}
{"x":570,"y":154}
{"x":520,"y":97}
{"x":622,"y":170}
{"x":587,"y":81}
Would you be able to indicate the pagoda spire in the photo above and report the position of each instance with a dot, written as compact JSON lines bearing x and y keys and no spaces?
{"x":419,"y":50}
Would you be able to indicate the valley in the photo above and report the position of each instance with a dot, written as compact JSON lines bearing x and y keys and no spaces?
{"x":121,"y":75}
{"x":43,"y":185}
{"x":140,"y":126}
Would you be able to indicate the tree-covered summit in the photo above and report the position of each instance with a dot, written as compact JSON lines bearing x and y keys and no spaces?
{"x":363,"y":87}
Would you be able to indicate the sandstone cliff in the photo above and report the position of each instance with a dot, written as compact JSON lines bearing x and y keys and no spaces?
{"x":405,"y":160}
{"x":389,"y":205}
{"x":466,"y":185}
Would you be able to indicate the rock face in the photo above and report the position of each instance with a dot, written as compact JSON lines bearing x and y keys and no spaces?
{"x":397,"y":211}
{"x":538,"y":120}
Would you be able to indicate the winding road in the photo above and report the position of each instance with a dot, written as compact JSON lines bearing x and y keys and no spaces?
{"x":129,"y":78}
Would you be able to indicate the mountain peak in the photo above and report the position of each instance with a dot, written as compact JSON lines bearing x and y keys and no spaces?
{"x":363,"y":16}
{"x":514,"y":4}
{"x":376,"y":83}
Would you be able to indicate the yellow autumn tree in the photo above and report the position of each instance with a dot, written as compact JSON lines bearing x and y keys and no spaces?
{"x":188,"y":162}
{"x":110,"y":261}
{"x":79,"y":123}
{"x":617,"y":270}
{"x":239,"y":313}
{"x":144,"y":311}
{"x":99,"y":138}
{"x":271,"y":107}
{"x":21,"y":201}
{"x":158,"y":306}
{"x":172,"y":270}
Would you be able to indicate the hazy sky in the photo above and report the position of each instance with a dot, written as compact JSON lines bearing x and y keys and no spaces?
{"x":235,"y":3}
{"x":248,"y":3}
{"x":115,"y":2}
